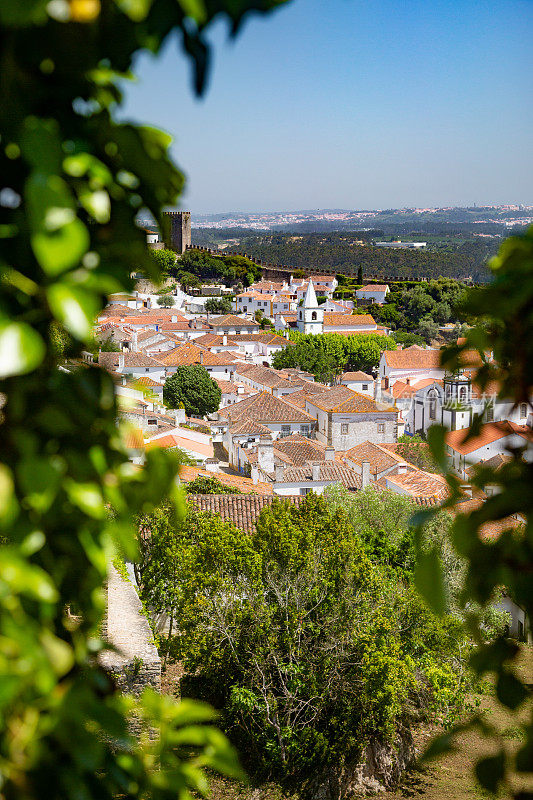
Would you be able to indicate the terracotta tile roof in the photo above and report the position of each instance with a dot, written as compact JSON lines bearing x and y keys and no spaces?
{"x":264,"y":376}
{"x":271,"y":286}
{"x":490,"y":432}
{"x":188,"y":474}
{"x":264,"y":407}
{"x":329,"y":471}
{"x":424,"y":487}
{"x":144,"y":381}
{"x":309,"y":390}
{"x":341,"y":400}
{"x":214,"y":340}
{"x":230,"y":387}
{"x":241,"y":509}
{"x":334,"y":319}
{"x":414,"y":357}
{"x":356,"y":376}
{"x":231,"y":321}
{"x":264,"y":338}
{"x":172,"y":440}
{"x":189,"y":353}
{"x":297,"y":450}
{"x":249,"y":426}
{"x":404,"y":389}
{"x":379,"y":457}
{"x":111,"y":360}
{"x":377,"y":288}
{"x":117,"y":310}
{"x":133,"y":438}
{"x":322,"y":278}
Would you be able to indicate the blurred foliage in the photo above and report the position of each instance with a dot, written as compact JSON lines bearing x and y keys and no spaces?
{"x":73,"y":182}
{"x":502,"y":334}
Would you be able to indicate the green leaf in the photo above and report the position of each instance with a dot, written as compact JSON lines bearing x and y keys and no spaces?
{"x":62,"y":249}
{"x":25,"y":578}
{"x":490,"y":772}
{"x":510,"y":691}
{"x":87,"y":497}
{"x":135,"y":9}
{"x":436,"y":436}
{"x":21,"y":349}
{"x":429,"y":580}
{"x":50,"y":201}
{"x":97,"y":204}
{"x":74,"y":307}
{"x":8,"y":501}
{"x":40,"y":479}
{"x":41,"y":145}
{"x":19,"y":14}
{"x":60,"y":654}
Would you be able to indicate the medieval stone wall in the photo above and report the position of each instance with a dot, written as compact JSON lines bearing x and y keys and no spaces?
{"x":136,"y":662}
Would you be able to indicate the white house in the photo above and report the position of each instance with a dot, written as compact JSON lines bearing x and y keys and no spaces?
{"x":359,"y":382}
{"x":494,"y":438}
{"x":345,"y":418}
{"x":375,"y":294}
{"x":413,"y":362}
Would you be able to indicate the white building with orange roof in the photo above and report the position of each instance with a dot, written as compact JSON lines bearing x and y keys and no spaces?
{"x":373,"y":293}
{"x":494,"y":438}
{"x":413,"y":362}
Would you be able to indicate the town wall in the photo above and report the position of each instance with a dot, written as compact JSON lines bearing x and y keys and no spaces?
{"x":135,"y":662}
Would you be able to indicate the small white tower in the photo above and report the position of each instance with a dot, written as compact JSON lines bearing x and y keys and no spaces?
{"x":457,"y":407}
{"x":310,"y":314}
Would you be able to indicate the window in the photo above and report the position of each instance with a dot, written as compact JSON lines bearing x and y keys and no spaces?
{"x":462,"y":394}
{"x":432,"y":404}
{"x":344,"y":428}
{"x":489,"y":413}
{"x":304,"y":430}
{"x":313,"y":315}
{"x":523,"y":409}
{"x":305,"y":490}
{"x":381,"y":427}
{"x":152,"y":422}
{"x":285,"y":430}
{"x":365,"y":387}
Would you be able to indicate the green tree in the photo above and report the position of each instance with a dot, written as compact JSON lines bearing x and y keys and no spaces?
{"x":218,"y":305}
{"x":165,"y":260}
{"x":428,"y":329}
{"x":166,"y":300}
{"x":66,"y":493}
{"x":360,"y":275}
{"x":188,"y":281}
{"x":192,"y":388}
{"x":416,"y":450}
{"x":203,"y":485}
{"x":280,"y":625}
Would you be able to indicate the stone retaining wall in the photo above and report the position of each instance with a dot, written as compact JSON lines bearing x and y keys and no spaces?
{"x":136,"y":664}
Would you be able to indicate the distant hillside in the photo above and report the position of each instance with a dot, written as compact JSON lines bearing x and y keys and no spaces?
{"x":340,"y":252}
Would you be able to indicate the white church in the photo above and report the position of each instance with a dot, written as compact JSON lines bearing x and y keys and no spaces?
{"x":310,"y":314}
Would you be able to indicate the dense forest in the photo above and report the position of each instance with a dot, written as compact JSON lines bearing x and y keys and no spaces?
{"x":341,"y":252}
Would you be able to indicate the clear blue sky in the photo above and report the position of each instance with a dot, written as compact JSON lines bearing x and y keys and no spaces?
{"x":352,"y":104}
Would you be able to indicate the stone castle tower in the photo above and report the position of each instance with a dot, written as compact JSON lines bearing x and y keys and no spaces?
{"x":310,"y":314}
{"x":180,"y":230}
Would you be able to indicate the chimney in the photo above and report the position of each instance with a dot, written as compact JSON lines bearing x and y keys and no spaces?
{"x":174,"y":318}
{"x":365,"y":475}
{"x":123,"y":380}
{"x":315,"y":470}
{"x":121,"y":362}
{"x":211,"y":465}
{"x":134,"y":342}
{"x":279,"y":472}
{"x":408,"y":381}
{"x":377,"y":389}
{"x":402,"y":468}
{"x":265,"y":454}
{"x":224,"y":339}
{"x":254,"y":474}
{"x":201,"y":356}
{"x":330,"y":454}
